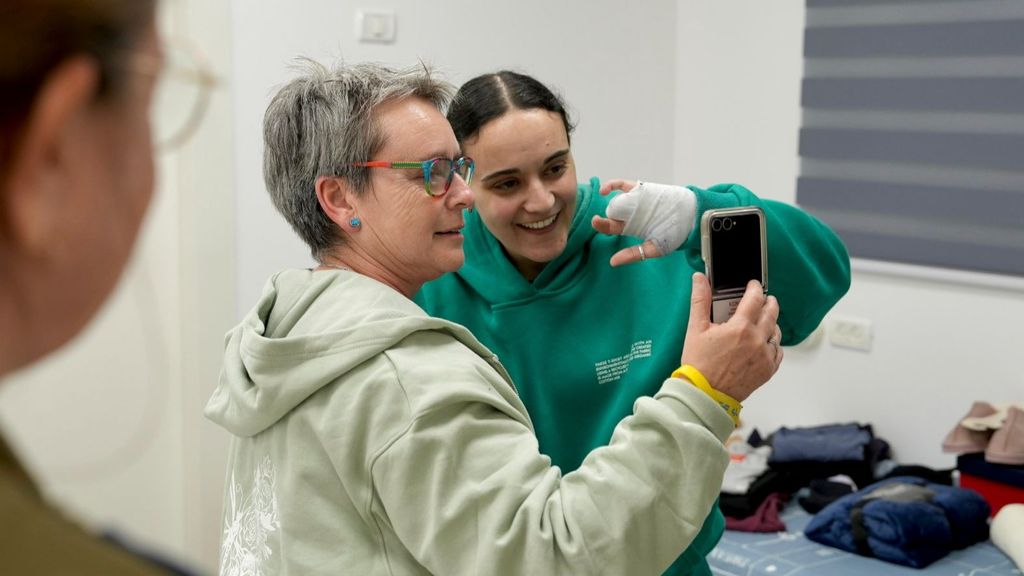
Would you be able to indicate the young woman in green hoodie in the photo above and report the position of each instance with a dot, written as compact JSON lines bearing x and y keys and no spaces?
{"x":545,"y":287}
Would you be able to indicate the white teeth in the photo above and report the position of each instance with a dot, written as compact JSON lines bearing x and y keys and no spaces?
{"x":541,"y":224}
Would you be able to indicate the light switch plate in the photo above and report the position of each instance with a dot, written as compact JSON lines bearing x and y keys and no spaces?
{"x":378,"y":26}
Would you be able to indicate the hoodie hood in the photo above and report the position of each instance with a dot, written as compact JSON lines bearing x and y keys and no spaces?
{"x":307,"y":330}
{"x":489,"y":270}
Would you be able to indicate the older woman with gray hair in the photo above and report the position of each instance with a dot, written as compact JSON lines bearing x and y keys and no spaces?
{"x":370,"y":438}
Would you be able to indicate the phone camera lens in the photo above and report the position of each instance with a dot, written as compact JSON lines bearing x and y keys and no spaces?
{"x":716,"y":224}
{"x":727,"y":223}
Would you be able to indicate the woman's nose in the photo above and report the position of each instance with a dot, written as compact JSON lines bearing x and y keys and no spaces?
{"x":460,"y":195}
{"x":539,"y":197}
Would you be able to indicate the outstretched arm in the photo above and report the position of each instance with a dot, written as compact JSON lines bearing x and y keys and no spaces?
{"x":466,"y":490}
{"x":808,"y":266}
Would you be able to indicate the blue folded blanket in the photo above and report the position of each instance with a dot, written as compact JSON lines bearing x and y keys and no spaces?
{"x":904,"y":520}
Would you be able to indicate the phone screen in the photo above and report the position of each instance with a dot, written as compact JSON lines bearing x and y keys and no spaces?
{"x":736,"y":245}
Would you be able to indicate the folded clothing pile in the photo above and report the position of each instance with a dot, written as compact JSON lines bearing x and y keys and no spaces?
{"x":829,"y":450}
{"x":792,"y":459}
{"x":904,"y":520}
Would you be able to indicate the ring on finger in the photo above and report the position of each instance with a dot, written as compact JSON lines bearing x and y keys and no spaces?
{"x":640,"y":249}
{"x":774,"y":344}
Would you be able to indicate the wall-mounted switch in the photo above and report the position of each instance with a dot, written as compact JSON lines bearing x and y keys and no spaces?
{"x":376,"y":26}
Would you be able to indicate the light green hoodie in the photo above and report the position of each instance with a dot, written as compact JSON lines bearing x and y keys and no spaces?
{"x":369,"y":438}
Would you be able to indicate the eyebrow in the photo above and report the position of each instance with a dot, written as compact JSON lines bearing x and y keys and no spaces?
{"x":510,"y":171}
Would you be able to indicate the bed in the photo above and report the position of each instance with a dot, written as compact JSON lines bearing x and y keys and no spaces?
{"x":785,"y":553}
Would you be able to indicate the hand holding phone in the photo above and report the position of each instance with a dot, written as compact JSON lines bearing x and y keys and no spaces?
{"x":735,"y":358}
{"x":734,"y":248}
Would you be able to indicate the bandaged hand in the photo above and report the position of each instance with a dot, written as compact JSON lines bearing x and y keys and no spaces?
{"x":662,"y":215}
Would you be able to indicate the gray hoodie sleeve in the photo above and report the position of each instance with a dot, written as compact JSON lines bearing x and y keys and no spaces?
{"x":466,"y":490}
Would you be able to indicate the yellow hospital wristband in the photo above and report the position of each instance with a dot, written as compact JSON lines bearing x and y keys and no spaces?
{"x":731,"y":405}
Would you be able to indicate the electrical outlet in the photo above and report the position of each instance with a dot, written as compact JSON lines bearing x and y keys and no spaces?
{"x":850,"y":332}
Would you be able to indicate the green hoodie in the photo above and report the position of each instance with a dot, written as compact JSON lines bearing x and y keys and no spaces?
{"x":371,"y":439}
{"x":584,"y":339}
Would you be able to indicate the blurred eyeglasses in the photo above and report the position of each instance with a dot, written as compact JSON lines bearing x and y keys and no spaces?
{"x":182,"y":94}
{"x":438,"y":173}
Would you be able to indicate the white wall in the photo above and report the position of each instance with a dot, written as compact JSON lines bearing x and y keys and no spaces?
{"x":614,"y":64}
{"x":940,"y":340}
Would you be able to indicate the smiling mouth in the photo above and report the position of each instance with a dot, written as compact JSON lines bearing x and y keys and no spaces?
{"x":452,"y":232}
{"x":541,"y":224}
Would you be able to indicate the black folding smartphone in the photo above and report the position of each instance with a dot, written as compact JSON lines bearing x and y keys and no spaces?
{"x":734,"y":248}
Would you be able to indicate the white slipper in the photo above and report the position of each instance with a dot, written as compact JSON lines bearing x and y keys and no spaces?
{"x":993,"y":421}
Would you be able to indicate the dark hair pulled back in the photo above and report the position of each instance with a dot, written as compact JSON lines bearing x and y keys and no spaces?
{"x":490,"y":96}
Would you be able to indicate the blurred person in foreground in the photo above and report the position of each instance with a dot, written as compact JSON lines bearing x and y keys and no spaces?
{"x":370,"y":438}
{"x":76,"y":177}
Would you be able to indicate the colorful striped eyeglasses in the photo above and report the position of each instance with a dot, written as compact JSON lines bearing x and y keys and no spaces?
{"x":438,"y":173}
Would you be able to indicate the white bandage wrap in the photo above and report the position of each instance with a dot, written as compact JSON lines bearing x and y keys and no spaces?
{"x":661,"y":213}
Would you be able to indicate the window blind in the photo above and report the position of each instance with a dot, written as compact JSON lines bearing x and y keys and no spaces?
{"x":912,"y":136}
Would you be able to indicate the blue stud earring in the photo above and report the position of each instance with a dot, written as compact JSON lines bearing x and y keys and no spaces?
{"x":355,"y":222}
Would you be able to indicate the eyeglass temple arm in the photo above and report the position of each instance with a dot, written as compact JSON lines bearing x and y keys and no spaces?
{"x":384,"y":164}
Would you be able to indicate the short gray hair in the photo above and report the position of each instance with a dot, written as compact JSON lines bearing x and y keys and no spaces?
{"x":322,"y":121}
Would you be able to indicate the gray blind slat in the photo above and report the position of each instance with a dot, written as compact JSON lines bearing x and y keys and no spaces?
{"x":961,"y":205}
{"x":1002,"y":66}
{"x":891,"y":13}
{"x":920,"y":94}
{"x":828,"y":3}
{"x":925,"y":40}
{"x":999,"y":151}
{"x":997,"y":259}
{"x":982,"y":122}
{"x":913,"y":174}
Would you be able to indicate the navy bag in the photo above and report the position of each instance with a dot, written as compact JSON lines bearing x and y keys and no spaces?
{"x":904,"y":520}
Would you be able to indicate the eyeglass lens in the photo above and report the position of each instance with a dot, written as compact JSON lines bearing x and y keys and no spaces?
{"x":181,"y":96}
{"x":442,"y":172}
